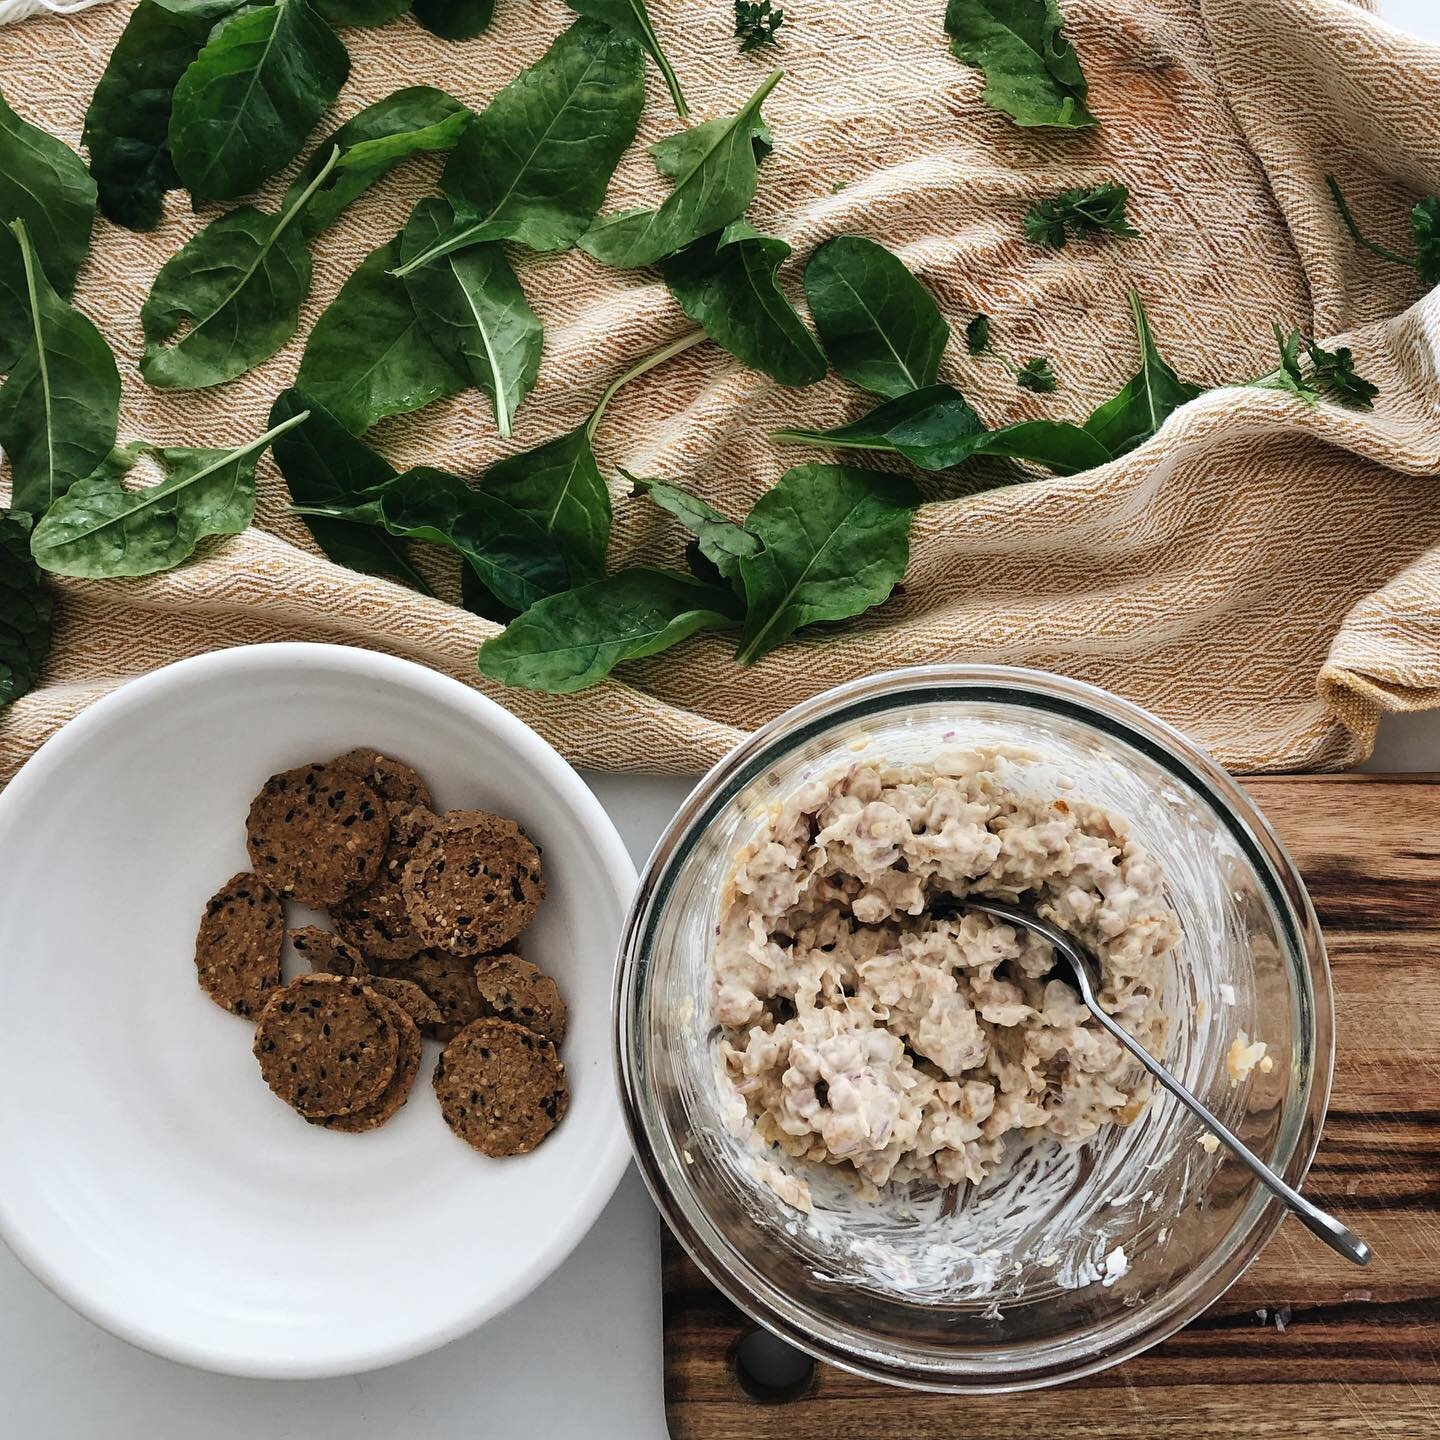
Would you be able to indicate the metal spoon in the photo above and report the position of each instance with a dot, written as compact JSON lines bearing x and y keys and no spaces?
{"x":1337,"y":1236}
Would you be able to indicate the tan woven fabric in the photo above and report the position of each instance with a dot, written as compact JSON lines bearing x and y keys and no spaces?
{"x":1264,"y":575}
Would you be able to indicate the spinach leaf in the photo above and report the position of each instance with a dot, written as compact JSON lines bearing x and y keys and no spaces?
{"x":25,"y":611}
{"x":1147,"y":399}
{"x":577,"y":637}
{"x":726,"y":283}
{"x":100,"y":530}
{"x":535,"y":165}
{"x":474,"y":311}
{"x":233,"y":294}
{"x":243,"y":108}
{"x":61,"y":404}
{"x":368,"y":355}
{"x":630,"y":17}
{"x":1085,"y":211}
{"x":127,"y":127}
{"x":714,"y":170}
{"x":326,"y":466}
{"x":405,"y":123}
{"x":455,"y":19}
{"x":1031,"y":72}
{"x":361,"y":12}
{"x":879,"y":324}
{"x":836,"y":541}
{"x":43,"y":183}
{"x":935,"y":428}
{"x":722,"y":542}
{"x":1424,"y":227}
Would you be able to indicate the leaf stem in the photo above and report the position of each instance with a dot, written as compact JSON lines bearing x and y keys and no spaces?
{"x":675,"y":347}
{"x":42,"y":364}
{"x":1360,"y":239}
{"x":303,"y":199}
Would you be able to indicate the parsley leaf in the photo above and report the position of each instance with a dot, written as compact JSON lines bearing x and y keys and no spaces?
{"x":1424,"y":227}
{"x":1332,"y":372}
{"x":977,"y":335}
{"x":756,"y":23}
{"x":1035,"y":374}
{"x":1080,"y":212}
{"x":1335,"y":372}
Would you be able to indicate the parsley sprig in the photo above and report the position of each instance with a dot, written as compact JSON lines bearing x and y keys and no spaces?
{"x":1081,"y":212}
{"x":756,"y":23}
{"x":1035,"y":374}
{"x":1424,"y":226}
{"x":1330,"y":372}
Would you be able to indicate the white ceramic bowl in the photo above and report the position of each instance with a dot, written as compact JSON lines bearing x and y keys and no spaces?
{"x":147,"y":1175}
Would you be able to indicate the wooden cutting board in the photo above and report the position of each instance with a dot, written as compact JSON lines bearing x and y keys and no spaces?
{"x":1304,"y":1345}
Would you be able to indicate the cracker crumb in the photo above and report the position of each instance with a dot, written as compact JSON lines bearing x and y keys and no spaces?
{"x":1209,"y":1142}
{"x":1244,"y":1056}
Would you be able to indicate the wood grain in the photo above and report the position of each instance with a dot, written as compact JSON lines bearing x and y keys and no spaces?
{"x":1359,"y":1352}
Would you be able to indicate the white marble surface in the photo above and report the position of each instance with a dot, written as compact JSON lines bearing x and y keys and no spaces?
{"x":580,"y":1360}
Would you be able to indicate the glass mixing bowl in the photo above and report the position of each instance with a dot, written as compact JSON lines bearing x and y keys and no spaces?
{"x":1068,"y":1260}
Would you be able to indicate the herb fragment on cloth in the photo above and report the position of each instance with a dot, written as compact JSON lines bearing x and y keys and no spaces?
{"x":757,"y":22}
{"x":1080,"y":213}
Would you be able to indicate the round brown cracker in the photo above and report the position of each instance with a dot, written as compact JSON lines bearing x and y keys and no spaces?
{"x":514,"y":989}
{"x":328,"y":954}
{"x":411,"y":998}
{"x":395,"y":1094}
{"x":317,"y":833}
{"x":376,"y":920}
{"x":325,"y":1045}
{"x":473,"y":883}
{"x":392,"y":780}
{"x":450,"y":982}
{"x":237,"y":948}
{"x":501,"y":1087}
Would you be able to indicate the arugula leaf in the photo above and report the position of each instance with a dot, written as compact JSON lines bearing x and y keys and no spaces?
{"x":756,"y":24}
{"x":43,"y":183}
{"x":535,"y":164}
{"x":935,"y":428}
{"x":714,"y":170}
{"x":361,"y":12}
{"x":61,"y":404}
{"x":244,"y":106}
{"x":407,"y":122}
{"x":455,"y":19}
{"x":576,"y":638}
{"x":474,"y":311}
{"x":1084,"y":211}
{"x":368,"y":355}
{"x":1036,"y":375}
{"x":1031,"y":72}
{"x":879,"y":324}
{"x":630,"y":17}
{"x":100,"y":530}
{"x":127,"y":127}
{"x":1146,"y":400}
{"x":977,"y":335}
{"x":233,"y":294}
{"x":26,"y":611}
{"x":726,"y":283}
{"x":721,"y":542}
{"x":326,"y":466}
{"x":836,"y":542}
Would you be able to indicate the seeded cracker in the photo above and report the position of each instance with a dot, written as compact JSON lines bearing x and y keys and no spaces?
{"x":473,"y":883}
{"x":395,"y":1094}
{"x":317,"y":834}
{"x":325,"y":1045}
{"x":237,"y":949}
{"x":517,"y":990}
{"x":392,"y":780}
{"x":411,"y":999}
{"x":501,"y":1087}
{"x":328,"y":954}
{"x":376,"y":921}
{"x":450,"y":982}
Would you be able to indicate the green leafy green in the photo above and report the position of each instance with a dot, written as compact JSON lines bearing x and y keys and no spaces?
{"x":977,"y":335}
{"x":1331,"y":372}
{"x":61,"y":404}
{"x":535,"y":164}
{"x":326,"y":466}
{"x":361,"y":12}
{"x":1031,"y":71}
{"x":368,"y":355}
{"x":232,"y":295}
{"x":577,"y":637}
{"x":100,"y":529}
{"x":44,"y":184}
{"x":714,"y":170}
{"x":726,"y":283}
{"x":474,"y":311}
{"x":879,"y":324}
{"x":756,"y":23}
{"x":1146,"y":400}
{"x":1084,"y":211}
{"x":244,"y":106}
{"x":722,"y":542}
{"x":25,"y":611}
{"x":127,"y":127}
{"x":1035,"y":374}
{"x":455,"y":19}
{"x":407,"y":122}
{"x":935,"y":428}
{"x":630,"y":17}
{"x":1335,"y":373}
{"x":836,"y":541}
{"x":1424,"y":227}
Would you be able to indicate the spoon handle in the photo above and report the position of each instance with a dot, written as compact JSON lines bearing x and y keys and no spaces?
{"x":1337,"y":1236}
